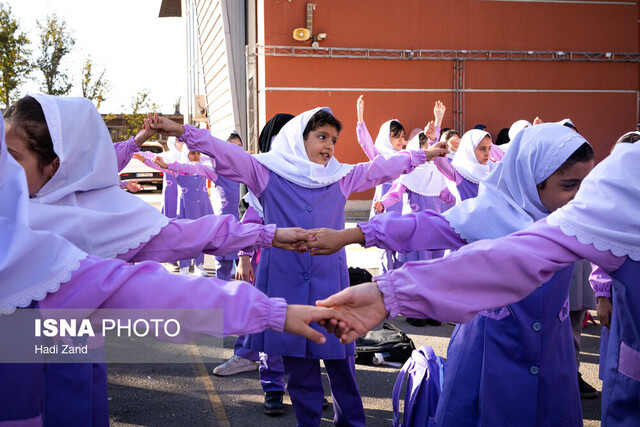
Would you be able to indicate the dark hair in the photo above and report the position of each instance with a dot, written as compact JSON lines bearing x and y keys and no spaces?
{"x":630,"y":138}
{"x":503,"y":136}
{"x":321,"y":118}
{"x":234,"y":135}
{"x":449,"y":134}
{"x":27,"y":115}
{"x":395,"y":128}
{"x":422,"y":139}
{"x":584,"y":153}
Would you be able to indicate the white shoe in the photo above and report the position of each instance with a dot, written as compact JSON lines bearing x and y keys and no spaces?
{"x":199,"y":270}
{"x":185,"y":271}
{"x":235,"y":365}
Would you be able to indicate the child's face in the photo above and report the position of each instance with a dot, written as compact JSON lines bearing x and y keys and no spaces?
{"x":398,"y":142}
{"x":18,"y":147}
{"x":453,"y":143}
{"x":319,"y":144}
{"x":482,"y":150}
{"x":562,"y":185}
{"x":194,"y":157}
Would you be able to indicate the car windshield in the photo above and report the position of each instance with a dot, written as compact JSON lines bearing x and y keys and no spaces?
{"x":152,"y":148}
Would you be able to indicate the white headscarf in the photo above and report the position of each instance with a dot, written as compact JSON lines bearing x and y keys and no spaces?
{"x":383,"y":143}
{"x":288,"y":157}
{"x":508,"y":199}
{"x":173,"y":155}
{"x":426,"y":179}
{"x":605,"y":211}
{"x":517,"y":127}
{"x":20,"y":281}
{"x":465,"y":160}
{"x":83,"y":201}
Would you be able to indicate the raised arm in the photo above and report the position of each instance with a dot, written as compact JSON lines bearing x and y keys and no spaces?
{"x":365,"y":141}
{"x":194,"y":169}
{"x":393,"y":196}
{"x":125,"y":151}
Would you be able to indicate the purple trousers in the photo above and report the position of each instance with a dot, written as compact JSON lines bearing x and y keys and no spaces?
{"x":271,"y":369}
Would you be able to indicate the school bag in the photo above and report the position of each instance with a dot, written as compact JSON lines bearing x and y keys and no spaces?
{"x":359,"y":275}
{"x":424,"y":373}
{"x":390,"y":342}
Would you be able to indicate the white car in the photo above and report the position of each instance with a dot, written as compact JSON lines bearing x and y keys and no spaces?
{"x":141,"y":173}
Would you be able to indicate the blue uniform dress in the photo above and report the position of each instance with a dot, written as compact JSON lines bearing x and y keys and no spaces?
{"x":228,"y":195}
{"x":515,"y":365}
{"x":302,"y":279}
{"x":621,"y":383}
{"x":193,"y":203}
{"x":388,"y":258}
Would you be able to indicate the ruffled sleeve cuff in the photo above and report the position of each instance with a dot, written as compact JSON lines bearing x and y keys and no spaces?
{"x":370,"y":234}
{"x":265,"y":240}
{"x":388,"y":295}
{"x":276,"y":314}
{"x":194,"y":137}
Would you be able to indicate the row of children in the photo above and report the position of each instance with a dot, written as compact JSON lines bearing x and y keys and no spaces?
{"x":300,"y":184}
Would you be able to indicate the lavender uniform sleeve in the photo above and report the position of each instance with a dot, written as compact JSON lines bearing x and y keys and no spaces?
{"x":193,"y":169}
{"x":415,"y":231}
{"x":231,"y":160}
{"x":251,"y":216}
{"x":124,"y":152}
{"x":365,"y":141}
{"x":445,"y":168}
{"x":380,"y":170}
{"x":110,"y":283}
{"x":394,"y":195}
{"x":148,"y":160}
{"x":211,"y":234}
{"x":600,"y":281}
{"x":455,"y":288}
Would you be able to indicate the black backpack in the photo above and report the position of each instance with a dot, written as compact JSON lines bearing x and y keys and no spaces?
{"x":390,"y":341}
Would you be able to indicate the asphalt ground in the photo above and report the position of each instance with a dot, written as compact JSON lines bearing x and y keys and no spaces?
{"x":189,"y":395}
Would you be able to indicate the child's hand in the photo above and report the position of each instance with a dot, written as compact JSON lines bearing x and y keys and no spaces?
{"x":139,"y":157}
{"x":291,"y":239}
{"x":325,"y":241}
{"x":360,"y":108}
{"x":299,"y":317}
{"x":146,"y":131}
{"x":605,"y":309}
{"x":167,"y":127}
{"x":378,"y":207}
{"x":133,"y":187}
{"x":430,"y":131}
{"x":438,"y":111}
{"x":537,"y":121}
{"x":244,"y":271}
{"x":439,"y":149}
{"x":160,"y":162}
{"x":362,"y":308}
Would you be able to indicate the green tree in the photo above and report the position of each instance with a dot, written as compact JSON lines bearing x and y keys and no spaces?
{"x":14,"y":55}
{"x":141,"y":104}
{"x":94,"y":89}
{"x":56,"y":41}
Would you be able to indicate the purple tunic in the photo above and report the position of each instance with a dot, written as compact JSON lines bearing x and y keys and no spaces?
{"x":228,"y":195}
{"x":300,"y":278}
{"x":169,"y":196}
{"x":466,"y":188}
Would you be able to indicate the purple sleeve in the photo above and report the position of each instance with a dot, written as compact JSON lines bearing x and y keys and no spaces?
{"x":394,"y":195}
{"x":193,"y":169}
{"x":124,"y":152}
{"x":445,"y":168}
{"x":153,"y":165}
{"x":251,"y":216}
{"x":438,"y":130}
{"x":365,"y":141}
{"x":600,"y":282}
{"x":211,"y":234}
{"x":380,"y":170}
{"x":231,"y":160}
{"x":123,"y":185}
{"x":463,"y":283}
{"x":109,"y":283}
{"x":426,"y":231}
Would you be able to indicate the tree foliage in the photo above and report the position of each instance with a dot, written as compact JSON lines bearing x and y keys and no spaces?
{"x":14,"y":55}
{"x":56,"y":41}
{"x":141,"y":104}
{"x":94,"y":89}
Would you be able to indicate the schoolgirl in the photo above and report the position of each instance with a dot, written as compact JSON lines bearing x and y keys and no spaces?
{"x":300,"y":182}
{"x":470,"y":165}
{"x":169,"y":183}
{"x":498,"y":364}
{"x":72,"y":279}
{"x":599,"y":224}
